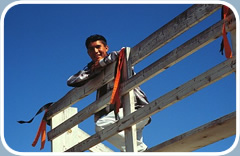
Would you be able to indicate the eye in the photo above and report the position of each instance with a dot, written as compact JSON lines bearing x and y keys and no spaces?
{"x":98,"y":46}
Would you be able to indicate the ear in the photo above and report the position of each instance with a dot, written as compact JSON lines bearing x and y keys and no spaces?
{"x":106,"y":48}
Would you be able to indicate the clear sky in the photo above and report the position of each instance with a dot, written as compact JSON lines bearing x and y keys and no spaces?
{"x":44,"y":45}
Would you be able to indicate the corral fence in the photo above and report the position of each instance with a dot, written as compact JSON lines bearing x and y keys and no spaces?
{"x":65,"y":134}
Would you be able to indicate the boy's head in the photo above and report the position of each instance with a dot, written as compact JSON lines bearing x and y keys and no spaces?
{"x":96,"y":47}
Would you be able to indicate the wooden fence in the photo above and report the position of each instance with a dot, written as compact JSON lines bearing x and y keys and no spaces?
{"x":65,"y":134}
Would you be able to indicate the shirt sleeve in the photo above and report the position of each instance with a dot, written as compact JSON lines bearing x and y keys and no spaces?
{"x":109,"y":59}
{"x":79,"y":78}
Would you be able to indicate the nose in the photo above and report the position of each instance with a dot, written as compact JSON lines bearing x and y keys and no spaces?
{"x":96,"y":50}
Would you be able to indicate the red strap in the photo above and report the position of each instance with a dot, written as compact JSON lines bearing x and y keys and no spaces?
{"x":227,"y":48}
{"x":42,"y":132}
{"x":115,"y":99}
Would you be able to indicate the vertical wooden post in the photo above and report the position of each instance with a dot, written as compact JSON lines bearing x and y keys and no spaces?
{"x":128,"y":107}
{"x":73,"y":136}
{"x":69,"y":138}
{"x":233,"y":39}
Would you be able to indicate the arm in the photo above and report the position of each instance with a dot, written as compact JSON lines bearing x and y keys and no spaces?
{"x":90,"y":71}
{"x":109,"y":59}
{"x":105,"y":61}
{"x":80,"y":78}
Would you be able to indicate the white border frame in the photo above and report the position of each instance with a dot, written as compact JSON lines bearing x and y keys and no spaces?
{"x":113,"y":2}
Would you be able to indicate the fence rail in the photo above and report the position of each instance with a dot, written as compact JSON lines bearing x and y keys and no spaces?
{"x":165,"y":34}
{"x":200,"y":137}
{"x":189,"y":18}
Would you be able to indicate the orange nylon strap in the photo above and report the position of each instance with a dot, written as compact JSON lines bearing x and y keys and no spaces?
{"x":115,"y":99}
{"x":42,"y":132}
{"x":227,"y":48}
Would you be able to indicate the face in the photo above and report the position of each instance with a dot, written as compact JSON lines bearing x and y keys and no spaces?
{"x":97,"y":50}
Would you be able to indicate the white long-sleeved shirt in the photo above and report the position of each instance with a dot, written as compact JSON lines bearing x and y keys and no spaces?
{"x":81,"y":77}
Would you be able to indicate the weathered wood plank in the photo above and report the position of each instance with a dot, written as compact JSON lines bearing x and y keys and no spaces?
{"x":171,"y":30}
{"x":233,"y":40}
{"x":192,"y":86}
{"x":60,"y":144}
{"x":197,"y":138}
{"x":80,"y":116}
{"x":129,"y":106}
{"x":178,"y":54}
{"x":97,"y":148}
{"x":195,"y":13}
{"x":152,"y":70}
{"x":73,"y":135}
{"x":78,"y":93}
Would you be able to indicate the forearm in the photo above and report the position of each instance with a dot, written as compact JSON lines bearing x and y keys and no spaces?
{"x":109,"y":59}
{"x":78,"y":79}
{"x":92,"y":70}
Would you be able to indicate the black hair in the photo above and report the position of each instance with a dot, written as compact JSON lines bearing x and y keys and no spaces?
{"x":94,"y":38}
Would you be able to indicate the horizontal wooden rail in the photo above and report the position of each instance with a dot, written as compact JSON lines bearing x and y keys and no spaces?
{"x":161,"y":103}
{"x":152,"y":70}
{"x":78,"y":93}
{"x":80,"y":116}
{"x":181,"y":23}
{"x":171,"y":30}
{"x":73,"y":136}
{"x":178,"y":54}
{"x":197,"y":138}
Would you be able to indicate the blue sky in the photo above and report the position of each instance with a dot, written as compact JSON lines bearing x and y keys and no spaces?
{"x":44,"y":45}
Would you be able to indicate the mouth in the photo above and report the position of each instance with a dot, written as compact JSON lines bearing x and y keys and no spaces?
{"x":98,"y":57}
